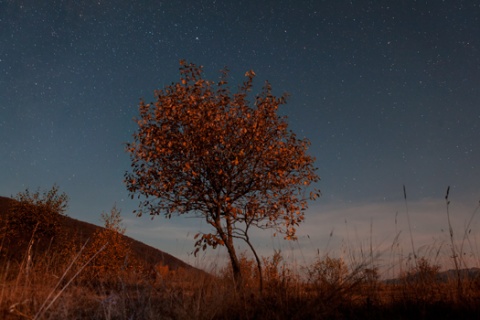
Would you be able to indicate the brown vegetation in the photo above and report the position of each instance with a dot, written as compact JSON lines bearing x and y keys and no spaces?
{"x":44,"y":294}
{"x":73,"y":234}
{"x":328,"y":288}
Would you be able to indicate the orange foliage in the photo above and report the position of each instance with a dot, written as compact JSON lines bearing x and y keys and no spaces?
{"x":110,"y":247}
{"x":37,"y":214}
{"x":204,"y":150}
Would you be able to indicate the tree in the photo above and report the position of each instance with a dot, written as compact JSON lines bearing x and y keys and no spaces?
{"x":37,"y":214}
{"x":110,"y":247}
{"x":203,"y":150}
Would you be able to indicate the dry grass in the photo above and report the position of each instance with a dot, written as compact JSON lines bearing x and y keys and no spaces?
{"x":72,"y":282}
{"x":326,"y":289}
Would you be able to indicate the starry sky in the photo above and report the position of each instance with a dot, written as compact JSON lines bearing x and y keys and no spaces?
{"x":388,"y":92}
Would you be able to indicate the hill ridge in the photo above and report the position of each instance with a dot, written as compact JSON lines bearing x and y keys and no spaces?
{"x":85,"y":230}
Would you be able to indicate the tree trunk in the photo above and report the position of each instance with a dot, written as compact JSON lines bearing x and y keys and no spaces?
{"x":227,"y":238}
{"x":259,"y":264}
{"x":236,"y":268}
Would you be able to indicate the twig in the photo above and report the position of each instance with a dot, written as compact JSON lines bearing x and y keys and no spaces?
{"x":409,"y":225}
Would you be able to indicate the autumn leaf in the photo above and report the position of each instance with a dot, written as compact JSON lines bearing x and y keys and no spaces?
{"x":229,"y":158}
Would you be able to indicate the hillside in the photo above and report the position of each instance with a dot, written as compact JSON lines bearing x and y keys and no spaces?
{"x":84,"y":230}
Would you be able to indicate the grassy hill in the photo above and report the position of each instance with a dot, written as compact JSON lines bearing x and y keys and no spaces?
{"x":84,"y":231}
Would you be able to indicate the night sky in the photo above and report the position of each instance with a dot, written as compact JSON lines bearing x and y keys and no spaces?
{"x":388,"y":92}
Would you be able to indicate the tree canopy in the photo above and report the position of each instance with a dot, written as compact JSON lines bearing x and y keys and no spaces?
{"x":37,"y":214}
{"x":202,"y":150}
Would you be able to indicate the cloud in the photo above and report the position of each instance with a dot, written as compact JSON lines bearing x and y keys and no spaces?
{"x":346,"y":230}
{"x":350,"y":229}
